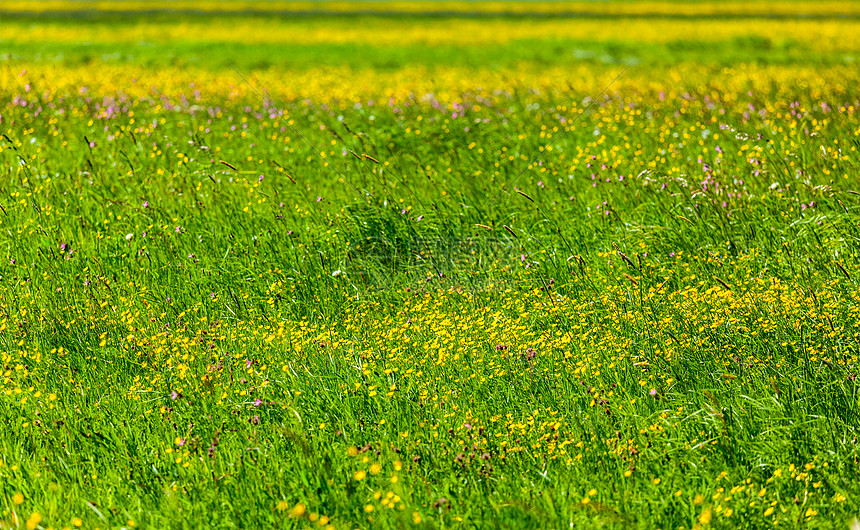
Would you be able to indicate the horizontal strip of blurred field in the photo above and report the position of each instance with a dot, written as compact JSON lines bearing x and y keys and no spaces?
{"x":443,"y":8}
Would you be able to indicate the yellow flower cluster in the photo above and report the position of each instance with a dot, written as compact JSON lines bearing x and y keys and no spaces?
{"x":346,"y":86}
{"x":838,"y":35}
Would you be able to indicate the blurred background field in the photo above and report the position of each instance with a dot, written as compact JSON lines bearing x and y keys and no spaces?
{"x":434,"y":7}
{"x":442,"y":264}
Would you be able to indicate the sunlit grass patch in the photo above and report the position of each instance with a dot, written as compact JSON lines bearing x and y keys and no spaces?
{"x":404,"y":292}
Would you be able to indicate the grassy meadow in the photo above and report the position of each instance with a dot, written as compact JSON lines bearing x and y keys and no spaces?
{"x":433,"y":265}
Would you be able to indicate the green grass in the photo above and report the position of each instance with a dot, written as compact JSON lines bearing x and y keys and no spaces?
{"x":682,"y":340}
{"x":547,"y":52}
